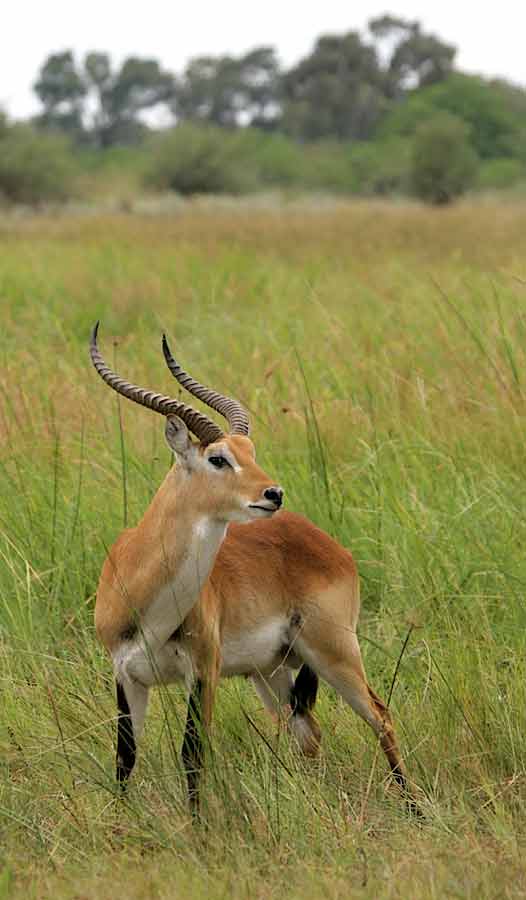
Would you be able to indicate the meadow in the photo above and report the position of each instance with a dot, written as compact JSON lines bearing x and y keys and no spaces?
{"x":380,"y":349}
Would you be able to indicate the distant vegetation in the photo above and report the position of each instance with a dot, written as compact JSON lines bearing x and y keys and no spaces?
{"x":347,"y":118}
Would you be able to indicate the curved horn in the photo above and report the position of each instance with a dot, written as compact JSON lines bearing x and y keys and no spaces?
{"x":234,"y":413}
{"x":203,"y":427}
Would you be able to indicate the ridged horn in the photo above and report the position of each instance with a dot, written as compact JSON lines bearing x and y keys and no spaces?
{"x":234,"y":413}
{"x":203,"y":427}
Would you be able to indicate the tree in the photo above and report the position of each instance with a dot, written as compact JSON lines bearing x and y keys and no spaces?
{"x":495,"y":127}
{"x":122,"y":95}
{"x":336,"y":91}
{"x":3,"y":124}
{"x":209,"y":91}
{"x":229,"y":91}
{"x":98,"y":75}
{"x":443,"y":165}
{"x":513,"y":101}
{"x":61,"y":90}
{"x":414,"y":59}
{"x":261,"y":81}
{"x":35,"y":168}
{"x":139,"y":84}
{"x":106,"y":103}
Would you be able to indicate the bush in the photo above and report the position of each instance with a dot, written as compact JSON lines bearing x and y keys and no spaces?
{"x":280,"y":161}
{"x":327,"y":166}
{"x":192,"y":159}
{"x":498,"y":174}
{"x":363,"y":168}
{"x":443,"y":165}
{"x":35,"y":168}
{"x":495,"y":128}
{"x":381,"y":167}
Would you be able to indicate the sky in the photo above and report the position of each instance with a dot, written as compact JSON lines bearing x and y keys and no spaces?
{"x":489,"y":37}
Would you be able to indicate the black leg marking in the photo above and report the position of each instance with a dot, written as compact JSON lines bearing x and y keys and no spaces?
{"x":304,"y":691}
{"x":126,"y":750}
{"x":192,"y":750}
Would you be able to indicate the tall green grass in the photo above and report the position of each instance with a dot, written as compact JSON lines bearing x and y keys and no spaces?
{"x":380,"y":351}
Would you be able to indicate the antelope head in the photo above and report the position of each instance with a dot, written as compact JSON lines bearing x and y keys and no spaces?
{"x":219,"y":468}
{"x":229,"y":459}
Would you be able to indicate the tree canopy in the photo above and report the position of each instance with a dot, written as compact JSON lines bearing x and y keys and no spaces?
{"x":351,"y":114}
{"x":228,"y":90}
{"x":495,"y":129}
{"x":340,"y":90}
{"x":95,"y":101}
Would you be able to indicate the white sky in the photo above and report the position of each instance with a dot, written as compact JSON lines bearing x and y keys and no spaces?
{"x":490,"y":38}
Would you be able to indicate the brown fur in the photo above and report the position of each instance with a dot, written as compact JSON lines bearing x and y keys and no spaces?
{"x":279,"y":566}
{"x":282,"y":568}
{"x":146,"y":557}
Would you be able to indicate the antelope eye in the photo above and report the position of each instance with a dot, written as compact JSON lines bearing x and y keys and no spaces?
{"x":219,"y":462}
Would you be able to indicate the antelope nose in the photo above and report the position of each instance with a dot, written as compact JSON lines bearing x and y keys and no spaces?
{"x":275,"y":495}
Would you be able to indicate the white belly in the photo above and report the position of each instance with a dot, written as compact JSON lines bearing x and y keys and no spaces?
{"x":259,"y":650}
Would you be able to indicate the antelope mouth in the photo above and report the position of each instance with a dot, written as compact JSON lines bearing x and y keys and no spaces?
{"x":271,"y":508}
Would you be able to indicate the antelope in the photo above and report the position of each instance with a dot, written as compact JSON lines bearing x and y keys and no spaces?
{"x":216,"y":580}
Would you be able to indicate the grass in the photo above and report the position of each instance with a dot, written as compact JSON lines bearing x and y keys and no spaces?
{"x":380,"y":350}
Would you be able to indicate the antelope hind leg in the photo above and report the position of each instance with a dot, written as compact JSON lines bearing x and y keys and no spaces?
{"x":279,"y":690}
{"x":343,"y":669}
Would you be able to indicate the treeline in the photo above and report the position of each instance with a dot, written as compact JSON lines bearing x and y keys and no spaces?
{"x":341,"y":90}
{"x":378,"y":113}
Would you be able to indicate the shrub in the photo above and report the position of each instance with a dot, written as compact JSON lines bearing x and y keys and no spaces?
{"x":280,"y":161}
{"x":381,"y":167}
{"x":487,"y":110}
{"x":35,"y":168}
{"x":497,"y":174}
{"x":327,"y":166}
{"x":197,"y":159}
{"x":193,"y":159}
{"x":443,"y":165}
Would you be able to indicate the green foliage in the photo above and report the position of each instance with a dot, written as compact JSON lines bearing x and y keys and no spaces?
{"x":513,"y":100}
{"x":341,"y":120}
{"x":498,"y":174}
{"x":494,"y":128}
{"x":340,"y":90}
{"x":335,"y":92}
{"x":202,"y":159}
{"x":61,"y":90}
{"x":321,"y":166}
{"x":35,"y":168}
{"x":219,"y":90}
{"x":192,"y":159}
{"x":413,"y":56}
{"x":279,"y":161}
{"x":344,"y":87}
{"x":443,"y":164}
{"x":381,"y":167}
{"x":95,"y":102}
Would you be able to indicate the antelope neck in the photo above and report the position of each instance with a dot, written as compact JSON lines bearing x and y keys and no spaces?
{"x":188,"y":542}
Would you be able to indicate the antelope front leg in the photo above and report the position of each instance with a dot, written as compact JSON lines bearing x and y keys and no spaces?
{"x":192,"y":749}
{"x":132,"y":700}
{"x":199,"y":719}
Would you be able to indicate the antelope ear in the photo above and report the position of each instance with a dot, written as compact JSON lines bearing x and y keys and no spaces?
{"x":178,"y":439}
